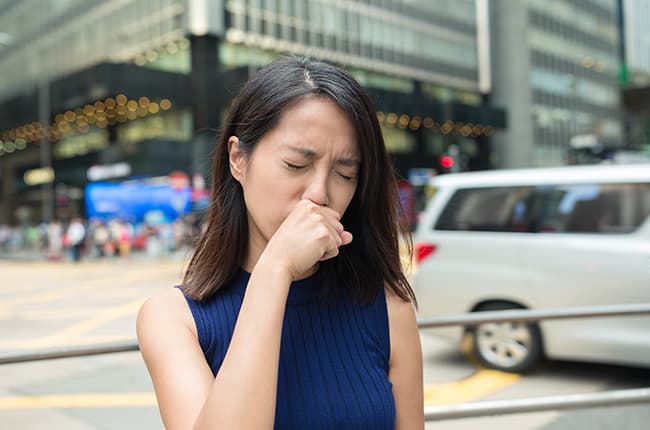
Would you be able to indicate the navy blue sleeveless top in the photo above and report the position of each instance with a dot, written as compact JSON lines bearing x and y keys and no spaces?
{"x":333,"y":356}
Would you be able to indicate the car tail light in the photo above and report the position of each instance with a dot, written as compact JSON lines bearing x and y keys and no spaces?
{"x":424,"y":250}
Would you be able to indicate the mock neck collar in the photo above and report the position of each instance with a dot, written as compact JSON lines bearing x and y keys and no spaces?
{"x":303,"y":291}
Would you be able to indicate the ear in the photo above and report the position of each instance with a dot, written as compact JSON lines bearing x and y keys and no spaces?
{"x":237,"y":160}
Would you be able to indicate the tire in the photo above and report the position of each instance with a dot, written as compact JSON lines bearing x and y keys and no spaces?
{"x":509,"y":346}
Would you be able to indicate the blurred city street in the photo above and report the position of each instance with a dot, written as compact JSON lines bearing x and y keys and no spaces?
{"x":55,"y":304}
{"x":518,"y":134}
{"x":44,"y":305}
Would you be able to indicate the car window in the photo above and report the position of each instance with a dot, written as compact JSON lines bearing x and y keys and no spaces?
{"x":596,"y":208}
{"x":501,"y":209}
{"x":578,"y":208}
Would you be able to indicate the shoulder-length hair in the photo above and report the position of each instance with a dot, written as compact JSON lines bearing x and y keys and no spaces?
{"x":362,"y":268}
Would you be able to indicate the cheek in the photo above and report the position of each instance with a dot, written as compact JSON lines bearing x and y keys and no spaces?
{"x":269,"y":200}
{"x":343,"y":199}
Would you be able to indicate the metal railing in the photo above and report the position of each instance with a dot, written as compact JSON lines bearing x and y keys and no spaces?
{"x":462,"y":410}
{"x":536,"y":404}
{"x":69,"y":352}
{"x":525,"y":315}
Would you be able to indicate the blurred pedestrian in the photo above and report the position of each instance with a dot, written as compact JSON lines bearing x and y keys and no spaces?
{"x":101,"y":237}
{"x":54,"y":240}
{"x":5,"y":237}
{"x":125,"y":238}
{"x":115,"y":232}
{"x":294,"y":300}
{"x":76,"y":234}
{"x":152,"y":240}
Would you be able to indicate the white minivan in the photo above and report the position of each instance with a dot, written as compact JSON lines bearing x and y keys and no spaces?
{"x":539,"y":239}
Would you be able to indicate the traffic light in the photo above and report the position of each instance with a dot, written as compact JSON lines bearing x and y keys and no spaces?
{"x":447,"y":162}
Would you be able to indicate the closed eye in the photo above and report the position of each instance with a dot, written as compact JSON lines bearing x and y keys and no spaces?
{"x":346,"y":177}
{"x":294,"y":166}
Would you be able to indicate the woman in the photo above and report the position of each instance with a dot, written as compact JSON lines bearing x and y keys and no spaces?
{"x":294,"y":311}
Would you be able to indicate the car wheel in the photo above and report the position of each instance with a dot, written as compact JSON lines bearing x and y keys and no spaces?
{"x":507,"y":346}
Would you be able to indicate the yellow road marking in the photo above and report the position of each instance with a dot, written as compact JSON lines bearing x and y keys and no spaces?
{"x":63,"y":313}
{"x":64,"y":337}
{"x":37,"y":343}
{"x":50,"y":314}
{"x":35,"y":298}
{"x":92,"y":323}
{"x":479,"y":385}
{"x":78,"y":401}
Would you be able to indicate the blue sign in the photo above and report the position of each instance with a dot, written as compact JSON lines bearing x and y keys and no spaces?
{"x":132,"y":201}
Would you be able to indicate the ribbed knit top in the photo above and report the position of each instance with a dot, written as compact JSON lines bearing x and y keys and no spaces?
{"x":333,"y":356}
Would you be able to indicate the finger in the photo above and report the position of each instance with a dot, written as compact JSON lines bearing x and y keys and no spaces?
{"x":307,"y":206}
{"x":335,"y":224}
{"x":335,"y":235}
{"x":343,"y":237}
{"x":330,"y":212}
{"x":330,"y":254}
{"x":333,"y":221}
{"x":346,"y":237}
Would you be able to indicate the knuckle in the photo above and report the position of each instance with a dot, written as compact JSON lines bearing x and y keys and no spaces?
{"x":322,"y":232}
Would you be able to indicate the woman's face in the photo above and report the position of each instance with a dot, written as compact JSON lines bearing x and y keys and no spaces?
{"x":311,"y":154}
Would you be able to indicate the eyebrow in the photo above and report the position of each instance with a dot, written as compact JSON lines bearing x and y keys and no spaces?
{"x":308,"y":153}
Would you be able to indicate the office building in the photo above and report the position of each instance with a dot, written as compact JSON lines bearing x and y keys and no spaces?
{"x":147,"y":83}
{"x":555,"y":70}
{"x":635,"y":20}
{"x":635,"y":74}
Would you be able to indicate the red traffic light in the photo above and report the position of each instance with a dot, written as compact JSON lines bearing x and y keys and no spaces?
{"x":447,"y":161}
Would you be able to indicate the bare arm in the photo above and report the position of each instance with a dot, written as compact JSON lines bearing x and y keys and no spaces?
{"x":188,"y":397}
{"x":405,"y":372}
{"x":168,"y":343}
{"x":249,"y":373}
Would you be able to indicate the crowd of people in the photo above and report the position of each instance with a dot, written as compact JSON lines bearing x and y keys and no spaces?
{"x":78,"y":239}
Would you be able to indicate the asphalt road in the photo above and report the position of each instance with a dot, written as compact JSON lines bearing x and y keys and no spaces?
{"x":44,"y":305}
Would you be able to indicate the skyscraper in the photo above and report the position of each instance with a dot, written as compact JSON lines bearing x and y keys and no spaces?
{"x":147,"y":82}
{"x":636,"y":41}
{"x":635,"y":74}
{"x":556,"y":66}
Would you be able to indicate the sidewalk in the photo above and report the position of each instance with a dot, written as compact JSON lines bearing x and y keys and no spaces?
{"x":22,"y":255}
{"x":36,"y":256}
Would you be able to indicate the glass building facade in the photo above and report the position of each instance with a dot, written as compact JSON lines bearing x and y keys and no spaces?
{"x":87,"y":82}
{"x":570,"y":69}
{"x":427,"y":40}
{"x":635,"y":74}
{"x":51,"y":39}
{"x":636,"y":22}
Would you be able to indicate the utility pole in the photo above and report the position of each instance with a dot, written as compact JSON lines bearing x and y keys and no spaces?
{"x":46,"y":151}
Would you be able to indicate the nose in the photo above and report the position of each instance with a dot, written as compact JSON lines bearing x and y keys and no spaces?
{"x":316,"y":190}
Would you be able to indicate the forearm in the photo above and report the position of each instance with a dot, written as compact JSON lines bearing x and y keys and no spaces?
{"x":243,"y":395}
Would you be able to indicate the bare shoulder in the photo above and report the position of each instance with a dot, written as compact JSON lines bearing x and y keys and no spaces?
{"x":400,"y":311}
{"x":403,"y":327}
{"x":164,"y":311}
{"x":405,"y":363}
{"x":167,"y":336}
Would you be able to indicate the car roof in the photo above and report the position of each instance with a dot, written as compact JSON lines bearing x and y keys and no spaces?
{"x":546,"y":175}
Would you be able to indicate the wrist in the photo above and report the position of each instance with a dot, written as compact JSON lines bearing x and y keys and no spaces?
{"x":274,"y":268}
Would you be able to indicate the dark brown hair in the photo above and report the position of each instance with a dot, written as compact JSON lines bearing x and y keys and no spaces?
{"x":363,"y":267}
